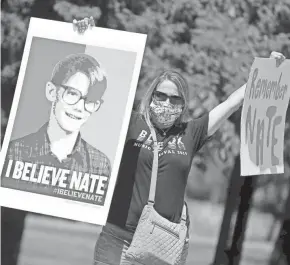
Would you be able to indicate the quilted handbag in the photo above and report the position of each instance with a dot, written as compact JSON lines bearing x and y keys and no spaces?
{"x":157,"y":241}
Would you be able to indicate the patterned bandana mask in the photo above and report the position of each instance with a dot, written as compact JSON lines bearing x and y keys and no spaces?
{"x":164,"y":114}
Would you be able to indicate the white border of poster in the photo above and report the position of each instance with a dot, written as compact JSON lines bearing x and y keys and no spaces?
{"x":263,"y":118}
{"x":101,"y":37}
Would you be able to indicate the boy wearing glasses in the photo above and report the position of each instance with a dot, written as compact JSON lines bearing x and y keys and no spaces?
{"x":75,"y":91}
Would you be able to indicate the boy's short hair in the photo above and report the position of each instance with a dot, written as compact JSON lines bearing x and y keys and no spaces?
{"x":82,"y":63}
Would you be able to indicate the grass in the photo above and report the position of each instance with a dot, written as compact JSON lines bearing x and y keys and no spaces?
{"x":206,"y":220}
{"x":56,"y":241}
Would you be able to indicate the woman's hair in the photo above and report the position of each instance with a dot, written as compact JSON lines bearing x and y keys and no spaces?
{"x":182,"y":87}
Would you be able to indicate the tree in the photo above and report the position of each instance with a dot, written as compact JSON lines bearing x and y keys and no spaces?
{"x":14,"y":22}
{"x":280,"y":254}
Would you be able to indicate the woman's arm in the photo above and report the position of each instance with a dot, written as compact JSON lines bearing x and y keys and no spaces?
{"x":224,"y":110}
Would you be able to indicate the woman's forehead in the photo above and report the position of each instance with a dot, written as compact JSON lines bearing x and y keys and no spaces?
{"x":168,"y":87}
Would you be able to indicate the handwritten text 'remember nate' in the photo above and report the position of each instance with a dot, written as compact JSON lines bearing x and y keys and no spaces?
{"x":261,"y":126}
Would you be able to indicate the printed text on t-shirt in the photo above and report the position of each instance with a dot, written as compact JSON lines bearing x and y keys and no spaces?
{"x":175,"y":145}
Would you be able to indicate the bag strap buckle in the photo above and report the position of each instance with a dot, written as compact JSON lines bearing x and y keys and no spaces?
{"x":150,"y":203}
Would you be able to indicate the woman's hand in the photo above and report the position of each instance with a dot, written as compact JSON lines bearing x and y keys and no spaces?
{"x":82,"y":25}
{"x":279,"y":57}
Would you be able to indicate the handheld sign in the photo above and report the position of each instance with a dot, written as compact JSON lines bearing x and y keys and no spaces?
{"x":69,"y":119}
{"x":263,"y":118}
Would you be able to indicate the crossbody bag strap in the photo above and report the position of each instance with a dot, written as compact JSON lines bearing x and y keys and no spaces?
{"x":184,"y":213}
{"x":154,"y":172}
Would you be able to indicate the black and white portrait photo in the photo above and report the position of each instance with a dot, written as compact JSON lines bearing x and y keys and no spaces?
{"x":69,"y":120}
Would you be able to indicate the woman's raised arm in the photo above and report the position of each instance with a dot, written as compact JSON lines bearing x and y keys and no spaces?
{"x":224,"y":110}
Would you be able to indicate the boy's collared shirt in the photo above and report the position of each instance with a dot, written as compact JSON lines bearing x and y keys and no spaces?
{"x":35,"y":148}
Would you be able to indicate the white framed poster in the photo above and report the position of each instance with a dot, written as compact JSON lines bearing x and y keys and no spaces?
{"x":69,"y":118}
{"x":263,"y":118}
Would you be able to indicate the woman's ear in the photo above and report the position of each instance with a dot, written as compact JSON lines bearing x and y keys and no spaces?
{"x":50,"y":91}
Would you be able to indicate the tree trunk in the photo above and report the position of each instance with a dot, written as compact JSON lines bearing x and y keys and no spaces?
{"x":221,"y":254}
{"x":272,"y":229}
{"x":230,"y":205}
{"x":105,"y":9}
{"x":246,"y":196}
{"x":281,"y":254}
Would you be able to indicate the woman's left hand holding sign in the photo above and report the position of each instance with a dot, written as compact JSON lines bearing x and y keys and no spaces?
{"x":82,"y":25}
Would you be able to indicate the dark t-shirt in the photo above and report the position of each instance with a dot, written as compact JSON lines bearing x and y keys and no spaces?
{"x":133,"y":183}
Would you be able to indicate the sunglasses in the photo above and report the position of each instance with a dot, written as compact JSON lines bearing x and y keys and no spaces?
{"x":72,"y":96}
{"x":175,"y":100}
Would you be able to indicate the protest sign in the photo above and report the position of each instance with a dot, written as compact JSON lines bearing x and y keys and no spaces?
{"x":69,"y":118}
{"x":263,"y":118}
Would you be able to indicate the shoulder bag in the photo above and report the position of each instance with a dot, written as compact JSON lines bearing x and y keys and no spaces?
{"x":157,"y":241}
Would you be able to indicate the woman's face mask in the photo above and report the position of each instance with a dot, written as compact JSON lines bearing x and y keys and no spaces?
{"x":166,"y":105}
{"x":163,"y":113}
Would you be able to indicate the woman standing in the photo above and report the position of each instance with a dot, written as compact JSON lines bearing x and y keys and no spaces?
{"x":179,"y":137}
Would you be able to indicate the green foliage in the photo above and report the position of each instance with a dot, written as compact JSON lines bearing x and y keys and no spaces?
{"x":69,"y":11}
{"x":212,"y":43}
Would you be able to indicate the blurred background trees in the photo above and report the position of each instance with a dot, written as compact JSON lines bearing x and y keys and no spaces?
{"x":211,"y":42}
